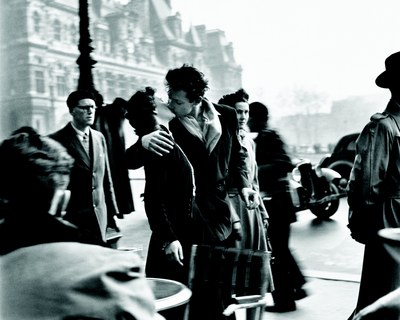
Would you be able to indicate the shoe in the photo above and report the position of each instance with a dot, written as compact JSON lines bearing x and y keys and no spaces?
{"x":300,"y":294}
{"x":281,"y":307}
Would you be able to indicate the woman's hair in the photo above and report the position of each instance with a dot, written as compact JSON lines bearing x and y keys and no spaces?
{"x":140,"y":111}
{"x":232,"y":98}
{"x":188,"y":79}
{"x":30,"y":168}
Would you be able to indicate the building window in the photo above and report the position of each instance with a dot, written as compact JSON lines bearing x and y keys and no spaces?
{"x":57,"y":30}
{"x":123,"y":92}
{"x":110,"y":88}
{"x":39,"y":82}
{"x":36,"y":22}
{"x":74,"y":34}
{"x":61,"y":86}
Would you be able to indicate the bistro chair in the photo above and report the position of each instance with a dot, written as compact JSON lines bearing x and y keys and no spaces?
{"x":226,"y":280}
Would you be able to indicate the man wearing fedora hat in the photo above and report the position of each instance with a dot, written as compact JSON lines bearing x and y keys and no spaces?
{"x":374,"y":190}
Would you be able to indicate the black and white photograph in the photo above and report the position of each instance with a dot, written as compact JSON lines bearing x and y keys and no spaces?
{"x":200,"y":159}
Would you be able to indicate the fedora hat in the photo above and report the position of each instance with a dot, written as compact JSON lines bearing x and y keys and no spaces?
{"x":392,"y":72}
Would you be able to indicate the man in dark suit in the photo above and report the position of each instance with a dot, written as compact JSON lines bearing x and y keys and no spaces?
{"x":92,"y":205}
{"x":208,"y":135}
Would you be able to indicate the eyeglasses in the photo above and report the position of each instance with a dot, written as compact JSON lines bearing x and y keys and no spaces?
{"x":86,"y":108}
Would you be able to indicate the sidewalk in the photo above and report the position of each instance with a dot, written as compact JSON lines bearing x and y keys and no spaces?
{"x":328,"y":300}
{"x":331,"y":296}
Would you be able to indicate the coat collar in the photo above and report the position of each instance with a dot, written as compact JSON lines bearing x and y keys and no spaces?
{"x":393,"y":108}
{"x":75,"y":145}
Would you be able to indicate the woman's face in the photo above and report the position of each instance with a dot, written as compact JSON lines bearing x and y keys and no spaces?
{"x":242,"y":112}
{"x":164,"y":114}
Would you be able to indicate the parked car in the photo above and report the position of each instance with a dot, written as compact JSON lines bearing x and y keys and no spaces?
{"x":342,"y":157}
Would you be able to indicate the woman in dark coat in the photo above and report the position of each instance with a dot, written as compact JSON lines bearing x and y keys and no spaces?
{"x":168,"y":194}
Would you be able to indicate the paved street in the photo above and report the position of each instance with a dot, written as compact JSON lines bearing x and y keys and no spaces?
{"x":330,"y":259}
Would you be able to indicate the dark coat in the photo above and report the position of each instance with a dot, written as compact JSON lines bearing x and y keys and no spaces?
{"x":212,"y":171}
{"x":92,"y":204}
{"x":273,"y":161}
{"x":109,"y":121}
{"x":168,"y":199}
{"x":374,"y":192}
{"x":25,"y":230}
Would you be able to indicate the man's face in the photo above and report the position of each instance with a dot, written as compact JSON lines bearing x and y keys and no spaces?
{"x":179,"y":104}
{"x":83,"y":113}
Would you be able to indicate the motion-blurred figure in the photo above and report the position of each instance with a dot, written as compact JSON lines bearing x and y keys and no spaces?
{"x":109,"y":120}
{"x":274,"y":164}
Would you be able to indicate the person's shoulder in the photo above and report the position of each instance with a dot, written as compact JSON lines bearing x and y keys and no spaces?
{"x":379,"y":116}
{"x":381,"y":120}
{"x":269,"y":133}
{"x":94,"y":131}
{"x":61,"y":132}
{"x":97,"y":134}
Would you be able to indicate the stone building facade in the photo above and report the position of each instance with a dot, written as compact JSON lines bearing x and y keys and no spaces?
{"x":134,"y":45}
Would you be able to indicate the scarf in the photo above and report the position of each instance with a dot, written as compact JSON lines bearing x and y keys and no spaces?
{"x":211,"y":131}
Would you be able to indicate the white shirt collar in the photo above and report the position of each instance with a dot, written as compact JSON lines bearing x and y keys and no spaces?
{"x":80,"y":133}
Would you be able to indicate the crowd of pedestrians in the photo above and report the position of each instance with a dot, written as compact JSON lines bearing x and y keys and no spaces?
{"x":216,"y":174}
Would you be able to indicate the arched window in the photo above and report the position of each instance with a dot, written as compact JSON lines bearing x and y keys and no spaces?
{"x":36,"y":22}
{"x":57,"y":30}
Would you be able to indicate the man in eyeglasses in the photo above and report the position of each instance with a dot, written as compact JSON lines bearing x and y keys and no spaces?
{"x":92,"y":206}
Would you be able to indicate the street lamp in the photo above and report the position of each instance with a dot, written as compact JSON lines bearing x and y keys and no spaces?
{"x":85,"y":61}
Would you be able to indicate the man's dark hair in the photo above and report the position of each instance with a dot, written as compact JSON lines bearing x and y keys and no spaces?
{"x":188,"y":79}
{"x":75,"y":96}
{"x":259,"y":111}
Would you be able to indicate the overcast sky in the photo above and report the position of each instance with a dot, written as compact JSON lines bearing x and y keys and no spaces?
{"x":337,"y":47}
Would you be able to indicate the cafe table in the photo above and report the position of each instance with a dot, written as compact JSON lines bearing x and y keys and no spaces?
{"x":169,"y":293}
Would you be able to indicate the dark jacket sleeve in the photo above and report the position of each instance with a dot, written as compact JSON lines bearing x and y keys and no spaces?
{"x":135,"y":155}
{"x":238,"y":176}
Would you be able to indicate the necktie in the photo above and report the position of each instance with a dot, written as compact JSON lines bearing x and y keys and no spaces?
{"x":85,"y":143}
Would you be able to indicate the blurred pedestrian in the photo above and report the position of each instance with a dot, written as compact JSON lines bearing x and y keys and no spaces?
{"x":253,"y":221}
{"x":109,"y":120}
{"x":274,"y":164}
{"x":373,"y":190}
{"x":46,"y":273}
{"x":168,"y":193}
{"x":93,"y":205}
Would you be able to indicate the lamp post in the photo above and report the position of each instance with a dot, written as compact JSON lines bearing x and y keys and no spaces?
{"x":85,"y":61}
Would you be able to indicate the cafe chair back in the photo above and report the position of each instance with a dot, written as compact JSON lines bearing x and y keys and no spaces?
{"x":225,"y":280}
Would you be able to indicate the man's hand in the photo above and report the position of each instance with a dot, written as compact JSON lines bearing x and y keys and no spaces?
{"x":174,"y":252}
{"x":158,"y":142}
{"x":251,"y":198}
{"x":237,"y":231}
